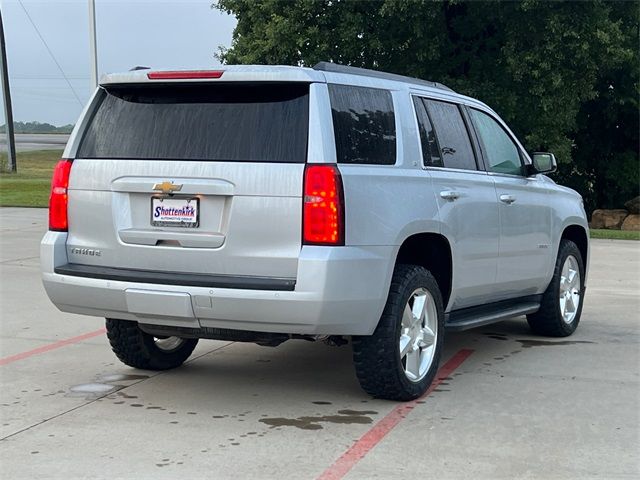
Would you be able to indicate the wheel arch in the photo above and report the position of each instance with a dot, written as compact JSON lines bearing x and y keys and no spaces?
{"x":578,"y":235}
{"x":433,"y":252}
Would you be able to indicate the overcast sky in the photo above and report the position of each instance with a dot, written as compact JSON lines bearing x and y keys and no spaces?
{"x":156,"y":33}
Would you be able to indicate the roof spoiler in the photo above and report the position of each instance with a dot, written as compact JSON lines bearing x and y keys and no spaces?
{"x":365,"y":72}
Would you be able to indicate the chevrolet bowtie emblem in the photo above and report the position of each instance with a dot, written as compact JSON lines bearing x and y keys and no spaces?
{"x":167,"y":187}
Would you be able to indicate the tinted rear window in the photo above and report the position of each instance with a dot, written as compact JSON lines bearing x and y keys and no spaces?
{"x":430,"y":150}
{"x":364,"y":125}
{"x":453,"y":138}
{"x":223,"y":122}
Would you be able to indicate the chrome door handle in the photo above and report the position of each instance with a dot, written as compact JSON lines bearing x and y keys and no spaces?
{"x":449,"y":195}
{"x":508,"y":199}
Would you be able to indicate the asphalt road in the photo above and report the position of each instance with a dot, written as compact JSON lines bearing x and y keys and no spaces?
{"x":513,"y":405}
{"x":39,"y":141}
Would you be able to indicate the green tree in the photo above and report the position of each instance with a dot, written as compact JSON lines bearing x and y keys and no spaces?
{"x":606,"y":139}
{"x":550,"y":69}
{"x":36,"y":127}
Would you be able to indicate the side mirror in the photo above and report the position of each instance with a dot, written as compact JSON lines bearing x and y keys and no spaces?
{"x":542,"y":162}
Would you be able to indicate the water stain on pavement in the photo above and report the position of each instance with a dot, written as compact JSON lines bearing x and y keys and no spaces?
{"x":314,"y":422}
{"x":496,"y":336}
{"x":357,"y":412}
{"x":120,"y":377}
{"x":526,"y":343}
{"x":125,"y":395}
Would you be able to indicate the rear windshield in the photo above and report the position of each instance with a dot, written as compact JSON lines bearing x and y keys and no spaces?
{"x":223,"y":122}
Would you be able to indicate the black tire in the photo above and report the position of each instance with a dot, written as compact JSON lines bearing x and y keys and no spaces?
{"x":139,"y":349}
{"x":378,"y":365}
{"x":548,"y":321}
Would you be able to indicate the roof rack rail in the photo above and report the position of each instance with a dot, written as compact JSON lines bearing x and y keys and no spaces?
{"x":365,"y":72}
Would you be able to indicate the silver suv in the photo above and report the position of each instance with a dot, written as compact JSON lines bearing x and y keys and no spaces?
{"x":264,"y":203}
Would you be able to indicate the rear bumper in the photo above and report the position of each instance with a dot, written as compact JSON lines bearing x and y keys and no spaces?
{"x":338,"y":291}
{"x":176,"y":278}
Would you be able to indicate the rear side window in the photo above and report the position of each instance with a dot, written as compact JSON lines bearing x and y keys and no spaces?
{"x":364,"y":125}
{"x":430,"y":150}
{"x":222,"y":122}
{"x":500,"y":151}
{"x":453,"y":137}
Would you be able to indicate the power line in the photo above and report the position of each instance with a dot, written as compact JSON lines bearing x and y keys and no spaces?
{"x":50,"y":53}
{"x":38,"y":76}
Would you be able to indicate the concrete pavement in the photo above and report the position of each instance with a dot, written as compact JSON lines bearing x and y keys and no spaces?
{"x":519,"y":406}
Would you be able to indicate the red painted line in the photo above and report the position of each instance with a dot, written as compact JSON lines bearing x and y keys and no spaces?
{"x":370,"y":439}
{"x":51,"y":346}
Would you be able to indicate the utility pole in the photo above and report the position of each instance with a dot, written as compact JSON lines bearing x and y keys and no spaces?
{"x":8,"y":114}
{"x":93,"y":44}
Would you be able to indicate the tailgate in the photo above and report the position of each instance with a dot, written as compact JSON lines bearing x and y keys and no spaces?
{"x":200,"y":179}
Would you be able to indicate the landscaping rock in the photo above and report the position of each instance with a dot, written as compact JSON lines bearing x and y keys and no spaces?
{"x":632,"y":222}
{"x":633,"y":205}
{"x":609,"y":219}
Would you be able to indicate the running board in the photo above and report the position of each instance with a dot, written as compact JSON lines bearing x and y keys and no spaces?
{"x":494,"y":312}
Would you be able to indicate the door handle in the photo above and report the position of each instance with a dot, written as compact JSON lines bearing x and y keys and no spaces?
{"x":449,"y":195}
{"x":508,"y":199}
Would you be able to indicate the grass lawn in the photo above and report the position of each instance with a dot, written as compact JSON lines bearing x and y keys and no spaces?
{"x":616,"y":234}
{"x":30,"y":186}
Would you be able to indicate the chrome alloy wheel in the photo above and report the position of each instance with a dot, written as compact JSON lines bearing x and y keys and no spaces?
{"x":418,"y":334}
{"x":569,"y":289}
{"x":168,"y":344}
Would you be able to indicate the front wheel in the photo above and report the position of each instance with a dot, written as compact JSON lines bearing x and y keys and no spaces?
{"x":399,"y":361}
{"x":561,"y":305}
{"x":140,"y":350}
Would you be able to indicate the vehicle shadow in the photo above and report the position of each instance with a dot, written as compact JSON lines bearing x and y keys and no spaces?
{"x":297,"y":373}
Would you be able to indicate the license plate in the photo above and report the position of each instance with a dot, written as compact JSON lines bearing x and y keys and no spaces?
{"x":175,"y":212}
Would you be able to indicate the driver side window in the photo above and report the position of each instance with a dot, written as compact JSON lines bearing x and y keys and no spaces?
{"x":501,"y":153}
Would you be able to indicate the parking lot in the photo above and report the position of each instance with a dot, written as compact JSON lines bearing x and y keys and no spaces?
{"x":508,"y":405}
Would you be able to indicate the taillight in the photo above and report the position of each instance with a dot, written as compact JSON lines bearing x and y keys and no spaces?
{"x":323,"y":206}
{"x":184,"y":74}
{"x":58,"y":200}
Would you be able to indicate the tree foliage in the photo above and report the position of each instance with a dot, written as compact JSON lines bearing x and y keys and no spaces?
{"x":36,"y":127}
{"x":564,"y":75}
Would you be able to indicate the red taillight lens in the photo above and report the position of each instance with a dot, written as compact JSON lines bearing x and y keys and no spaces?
{"x":184,"y":74}
{"x":58,"y":201}
{"x":323,"y":206}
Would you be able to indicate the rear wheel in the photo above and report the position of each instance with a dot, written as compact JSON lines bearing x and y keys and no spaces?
{"x":561,"y":305}
{"x":400,"y":359}
{"x":140,"y":350}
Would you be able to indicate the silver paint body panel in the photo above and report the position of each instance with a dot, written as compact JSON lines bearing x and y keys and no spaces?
{"x":253,"y":220}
